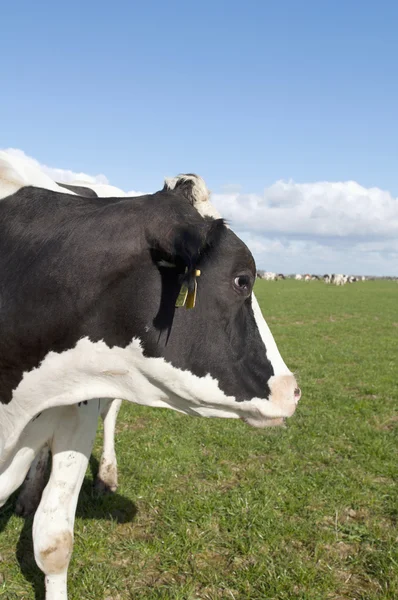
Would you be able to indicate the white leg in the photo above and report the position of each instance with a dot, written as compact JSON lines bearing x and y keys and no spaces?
{"x":107,"y":475}
{"x":33,"y":438}
{"x":34,"y":484}
{"x":54,"y":520}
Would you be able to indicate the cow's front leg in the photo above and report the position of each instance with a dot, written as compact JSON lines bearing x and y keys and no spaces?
{"x":54,"y":520}
{"x":107,"y":475}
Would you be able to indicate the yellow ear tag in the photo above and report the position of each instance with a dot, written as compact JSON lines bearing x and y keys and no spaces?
{"x":185,"y":298}
{"x":191,"y":298}
{"x":182,"y":296}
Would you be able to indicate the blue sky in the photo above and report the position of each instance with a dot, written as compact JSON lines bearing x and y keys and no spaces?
{"x":244,"y":93}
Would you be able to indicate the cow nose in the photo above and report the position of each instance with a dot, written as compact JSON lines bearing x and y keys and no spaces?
{"x":297,"y":394}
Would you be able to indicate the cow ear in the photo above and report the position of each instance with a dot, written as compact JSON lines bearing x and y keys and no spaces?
{"x":192,"y":241}
{"x":187,"y":243}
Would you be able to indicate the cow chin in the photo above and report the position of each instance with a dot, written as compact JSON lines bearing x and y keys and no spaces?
{"x":261,"y":422}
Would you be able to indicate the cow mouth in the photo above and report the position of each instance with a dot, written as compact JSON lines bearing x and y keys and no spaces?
{"x":285,"y":396}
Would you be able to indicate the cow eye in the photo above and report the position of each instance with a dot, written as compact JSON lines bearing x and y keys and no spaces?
{"x":242,"y":283}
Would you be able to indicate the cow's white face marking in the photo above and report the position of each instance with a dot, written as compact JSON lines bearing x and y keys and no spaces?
{"x":273,"y":353}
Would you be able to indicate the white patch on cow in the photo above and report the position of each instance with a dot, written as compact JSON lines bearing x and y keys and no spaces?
{"x":15,"y":466}
{"x":93,"y":370}
{"x":273,"y":354}
{"x":200,"y":194}
{"x":283,"y":385}
{"x":71,"y":445}
{"x":15,"y":173}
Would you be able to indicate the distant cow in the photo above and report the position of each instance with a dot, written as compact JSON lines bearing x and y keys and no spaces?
{"x":98,"y":309}
{"x":339,"y":279}
{"x":269,"y":276}
{"x":298,"y":277}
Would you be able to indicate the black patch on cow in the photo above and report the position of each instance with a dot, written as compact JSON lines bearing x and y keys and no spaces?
{"x":72,"y":267}
{"x":80,"y":190}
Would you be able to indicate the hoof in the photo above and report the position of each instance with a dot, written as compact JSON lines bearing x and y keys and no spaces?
{"x":102,"y":488}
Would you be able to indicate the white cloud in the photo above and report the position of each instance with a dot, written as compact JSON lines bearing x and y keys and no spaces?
{"x":322,"y":255}
{"x":317,"y":227}
{"x":301,"y":227}
{"x":323,"y":209}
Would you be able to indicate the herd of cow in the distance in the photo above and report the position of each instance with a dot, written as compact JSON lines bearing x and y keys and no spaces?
{"x":328,"y":278}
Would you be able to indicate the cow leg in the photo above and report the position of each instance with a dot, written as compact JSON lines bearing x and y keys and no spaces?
{"x":54,"y":519}
{"x":107,"y":475}
{"x":34,"y":437}
{"x":34,"y":484}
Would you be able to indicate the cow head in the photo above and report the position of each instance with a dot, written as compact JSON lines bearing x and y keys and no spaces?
{"x":225,"y":335}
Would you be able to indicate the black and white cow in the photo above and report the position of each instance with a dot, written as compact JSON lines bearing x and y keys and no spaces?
{"x":88,"y":294}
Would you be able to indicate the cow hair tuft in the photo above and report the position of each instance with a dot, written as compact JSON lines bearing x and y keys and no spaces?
{"x":192,"y":186}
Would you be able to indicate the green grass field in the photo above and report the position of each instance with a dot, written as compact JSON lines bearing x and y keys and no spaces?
{"x":212,"y":509}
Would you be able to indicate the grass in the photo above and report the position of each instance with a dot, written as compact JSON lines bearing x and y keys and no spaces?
{"x":211,"y":509}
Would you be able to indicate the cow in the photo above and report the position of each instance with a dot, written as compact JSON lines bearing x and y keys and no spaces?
{"x":335,"y":279}
{"x":339,"y":279}
{"x":139,"y":298}
{"x":298,"y":277}
{"x":269,"y":276}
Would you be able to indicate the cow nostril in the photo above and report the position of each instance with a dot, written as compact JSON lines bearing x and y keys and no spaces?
{"x":297,"y":394}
